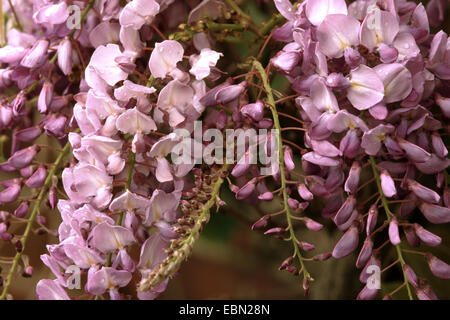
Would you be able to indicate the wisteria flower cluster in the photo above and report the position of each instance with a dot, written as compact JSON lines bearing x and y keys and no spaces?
{"x":114,"y":88}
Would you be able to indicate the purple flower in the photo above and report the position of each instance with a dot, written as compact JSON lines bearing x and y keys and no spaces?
{"x":347,"y":244}
{"x":387,"y":184}
{"x":50,"y":290}
{"x":438,"y":267}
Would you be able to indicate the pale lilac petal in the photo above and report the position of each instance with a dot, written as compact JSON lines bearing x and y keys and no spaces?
{"x":378,"y":27}
{"x":138,"y":12}
{"x":47,"y":289}
{"x":133,"y":121}
{"x":434,"y":213}
{"x":323,"y":98}
{"x":336,"y":33}
{"x":397,"y":81}
{"x":165,"y":57}
{"x":366,"y":88}
{"x":315,"y":158}
{"x":387,"y":184}
{"x":52,"y":14}
{"x":106,"y":237}
{"x":317,"y":10}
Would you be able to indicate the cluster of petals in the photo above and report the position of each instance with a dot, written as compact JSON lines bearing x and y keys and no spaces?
{"x":116,"y":118}
{"x":367,"y":76}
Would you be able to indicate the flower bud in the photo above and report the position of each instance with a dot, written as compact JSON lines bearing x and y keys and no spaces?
{"x":254,"y":111}
{"x":434,"y":213}
{"x":6,"y":236}
{"x":261,"y":223}
{"x":287,"y":262}
{"x":242,"y":166}
{"x":426,"y":236}
{"x":337,"y":81}
{"x":365,"y":253}
{"x":438,"y":145}
{"x":28,"y":134}
{"x":305,"y":245}
{"x":276,"y":230}
{"x":312,"y":225}
{"x":56,"y":126}
{"x":37,"y":179}
{"x":322,"y":256}
{"x":304,"y":192}
{"x":387,"y":184}
{"x":415,"y":153}
{"x":394,"y":235}
{"x":371,"y":219}
{"x":36,"y":56}
{"x":365,"y":275}
{"x":229,"y":93}
{"x":345,"y":211}
{"x":28,"y":272}
{"x":288,"y":160}
{"x":65,"y":56}
{"x":438,"y":267}
{"x":45,"y":97}
{"x":10,"y":194}
{"x":6,"y":116}
{"x":406,"y":208}
{"x":411,"y":236}
{"x":423,"y":192}
{"x":4,"y":227}
{"x":246,"y":190}
{"x":347,"y":244}
{"x":27,"y":171}
{"x":22,"y":209}
{"x":266,"y":196}
{"x":367,"y":294}
{"x":352,"y":182}
{"x":293,"y":203}
{"x":18,"y":105}
{"x":22,"y":158}
{"x":425,"y":293}
{"x":410,"y":274}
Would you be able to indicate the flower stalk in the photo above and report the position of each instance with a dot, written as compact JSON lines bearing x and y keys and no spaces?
{"x":389,"y":215}
{"x":276,"y":122}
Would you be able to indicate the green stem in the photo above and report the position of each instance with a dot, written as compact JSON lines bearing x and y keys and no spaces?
{"x":236,"y":8}
{"x":277,"y":125}
{"x":16,"y":17}
{"x":2,"y":26}
{"x":389,"y":215}
{"x":213,"y":26}
{"x":34,"y":213}
{"x":183,"y":247}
